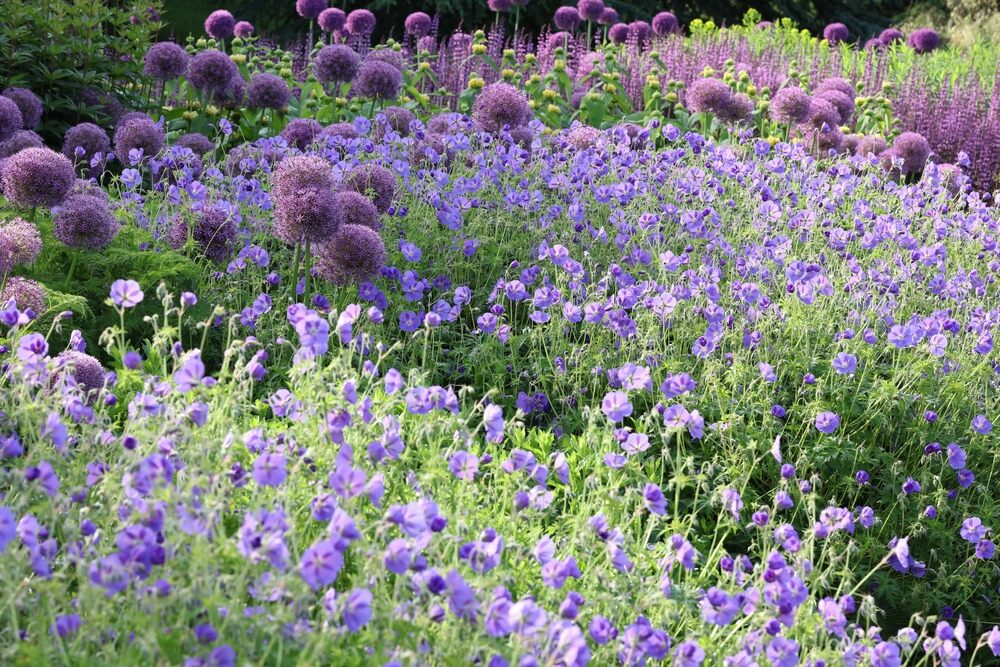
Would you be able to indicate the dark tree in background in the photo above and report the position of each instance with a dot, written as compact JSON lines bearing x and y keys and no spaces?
{"x":277,"y":18}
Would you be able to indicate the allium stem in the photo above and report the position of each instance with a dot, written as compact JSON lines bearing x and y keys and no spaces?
{"x":72,"y":269}
{"x":305,"y":296}
{"x":295,"y":273}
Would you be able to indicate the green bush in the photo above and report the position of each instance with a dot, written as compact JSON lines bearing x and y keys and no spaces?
{"x":65,"y":50}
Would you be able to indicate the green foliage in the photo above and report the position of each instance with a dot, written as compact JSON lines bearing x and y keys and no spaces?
{"x":61,"y":49}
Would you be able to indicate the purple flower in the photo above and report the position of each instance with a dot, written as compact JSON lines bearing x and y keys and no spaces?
{"x":783,"y":652}
{"x":464,"y":465}
{"x":358,"y":609}
{"x":66,"y":625}
{"x":616,"y":406}
{"x":220,"y":24}
{"x":501,"y":105}
{"x":652,"y":498}
{"x":8,"y":527}
{"x":827,"y":422}
{"x":320,"y":564}
{"x":911,"y":486}
{"x":688,"y":654}
{"x":981,"y":424}
{"x":845,"y":363}
{"x":885,"y":654}
{"x":493,"y":421}
{"x":269,"y":469}
{"x":126,"y":293}
{"x":973,"y":529}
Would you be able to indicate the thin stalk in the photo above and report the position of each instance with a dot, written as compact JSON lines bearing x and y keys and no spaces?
{"x":295,"y":273}
{"x":72,"y":269}
{"x":305,"y":299}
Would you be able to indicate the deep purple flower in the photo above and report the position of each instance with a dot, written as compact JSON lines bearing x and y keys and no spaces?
{"x":332,"y":19}
{"x":28,"y":103}
{"x":166,"y":61}
{"x":566,"y":18}
{"x":11,"y":120}
{"x":212,"y":232}
{"x":358,"y":609}
{"x":924,"y":40}
{"x":374,"y":181}
{"x":360,"y":22}
{"x":220,"y":24}
{"x":665,"y":23}
{"x":36,"y":177}
{"x":417,"y":24}
{"x":212,"y":72}
{"x":320,"y":564}
{"x":268,"y":91}
{"x":138,"y":134}
{"x":336,"y":63}
{"x":377,"y":80}
{"x":501,"y":105}
{"x":827,"y":422}
{"x":310,"y":9}
{"x":243,"y":29}
{"x":84,"y":221}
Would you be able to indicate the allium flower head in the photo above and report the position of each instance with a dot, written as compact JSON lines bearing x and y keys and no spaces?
{"x":665,"y":23}
{"x":268,"y":91}
{"x":313,"y":214}
{"x":790,"y":105}
{"x":378,"y":80}
{"x":166,"y":61}
{"x":501,"y":105}
{"x":822,"y":112}
{"x":708,"y":95}
{"x":567,"y":18}
{"x":310,"y":9}
{"x":357,"y":209}
{"x":590,"y":10}
{"x":27,"y":294}
{"x":11,"y":119}
{"x":739,"y":109}
{"x":213,"y":234}
{"x":841,"y":102}
{"x":28,"y":103}
{"x":343,"y":130}
{"x":212,"y":72}
{"x":18,"y":141}
{"x":86,"y":371}
{"x":354,"y":255}
{"x":301,"y":132}
{"x":297,"y":173}
{"x":924,"y":40}
{"x":374,"y":181}
{"x":196,"y":142}
{"x":85,"y":221}
{"x":618,"y":33}
{"x":870,"y":144}
{"x":417,"y":24}
{"x":220,"y":24}
{"x":890,"y":35}
{"x":243,"y":29}
{"x":36,"y":177}
{"x":140,"y":133}
{"x":500,"y":5}
{"x":23,"y":240}
{"x":332,"y":19}
{"x":397,"y":119}
{"x":913,"y":149}
{"x":83,"y":142}
{"x":609,"y":16}
{"x":836,"y":33}
{"x":336,"y":63}
{"x":837,"y":83}
{"x":360,"y":22}
{"x":389,"y":56}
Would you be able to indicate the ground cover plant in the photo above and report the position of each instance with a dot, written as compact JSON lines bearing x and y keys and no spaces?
{"x":309,"y":373}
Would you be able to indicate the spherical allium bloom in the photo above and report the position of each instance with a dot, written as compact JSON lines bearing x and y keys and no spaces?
{"x":268,"y":91}
{"x":870,"y":144}
{"x":23,"y":241}
{"x":924,"y":40}
{"x":332,"y":19}
{"x":86,"y":371}
{"x":36,"y":177}
{"x":522,"y":136}
{"x":375,"y":181}
{"x":913,"y":149}
{"x":397,"y":119}
{"x":850,"y":143}
{"x":390,"y":56}
{"x":424,"y":151}
{"x":220,"y":24}
{"x":84,"y":141}
{"x":85,"y":221}
{"x":824,"y":142}
{"x":499,"y":5}
{"x":344,"y":130}
{"x":301,"y":132}
{"x":639,"y":30}
{"x":566,"y":18}
{"x":27,"y":294}
{"x":166,"y":61}
{"x":310,"y":9}
{"x":88,"y":187}
{"x":357,"y":209}
{"x":501,"y":105}
{"x":836,"y":33}
{"x":298,"y":173}
{"x":417,"y":24}
{"x":11,"y":120}
{"x":20,"y":140}
{"x":243,"y":29}
{"x":360,"y":22}
{"x":739,"y":109}
{"x":822,"y":111}
{"x":354,"y":255}
{"x":378,"y":80}
{"x":140,"y":133}
{"x":618,"y":33}
{"x":843,"y":103}
{"x":336,"y":63}
{"x":212,"y":72}
{"x":790,"y":105}
{"x":233,"y":96}
{"x":28,"y":103}
{"x":129,"y":116}
{"x":838,"y":83}
{"x":196,"y":141}
{"x":707,"y":95}
{"x":890,"y":35}
{"x":312,"y":214}
{"x":213,"y":234}
{"x":583,"y":137}
{"x":609,"y":16}
{"x":665,"y":23}
{"x":590,"y":10}
{"x":443,"y":123}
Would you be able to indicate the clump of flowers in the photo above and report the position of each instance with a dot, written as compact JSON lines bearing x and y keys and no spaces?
{"x":138,"y":139}
{"x":360,"y":23}
{"x":358,"y":209}
{"x":665,"y":23}
{"x":354,"y":255}
{"x":566,"y":18}
{"x":337,"y":63}
{"x":36,"y":177}
{"x":836,"y":33}
{"x":913,"y":149}
{"x":85,"y":221}
{"x":301,"y":132}
{"x":501,"y":105}
{"x":27,"y":294}
{"x":196,"y":142}
{"x":212,"y":73}
{"x":332,"y":19}
{"x":417,"y":24}
{"x":268,"y":91}
{"x":790,"y":105}
{"x":220,"y":24}
{"x":924,"y":40}
{"x":22,"y":240}
{"x":28,"y":103}
{"x":243,"y":29}
{"x":19,"y":141}
{"x":87,"y":145}
{"x":377,"y":80}
{"x":11,"y":120}
{"x":166,"y":61}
